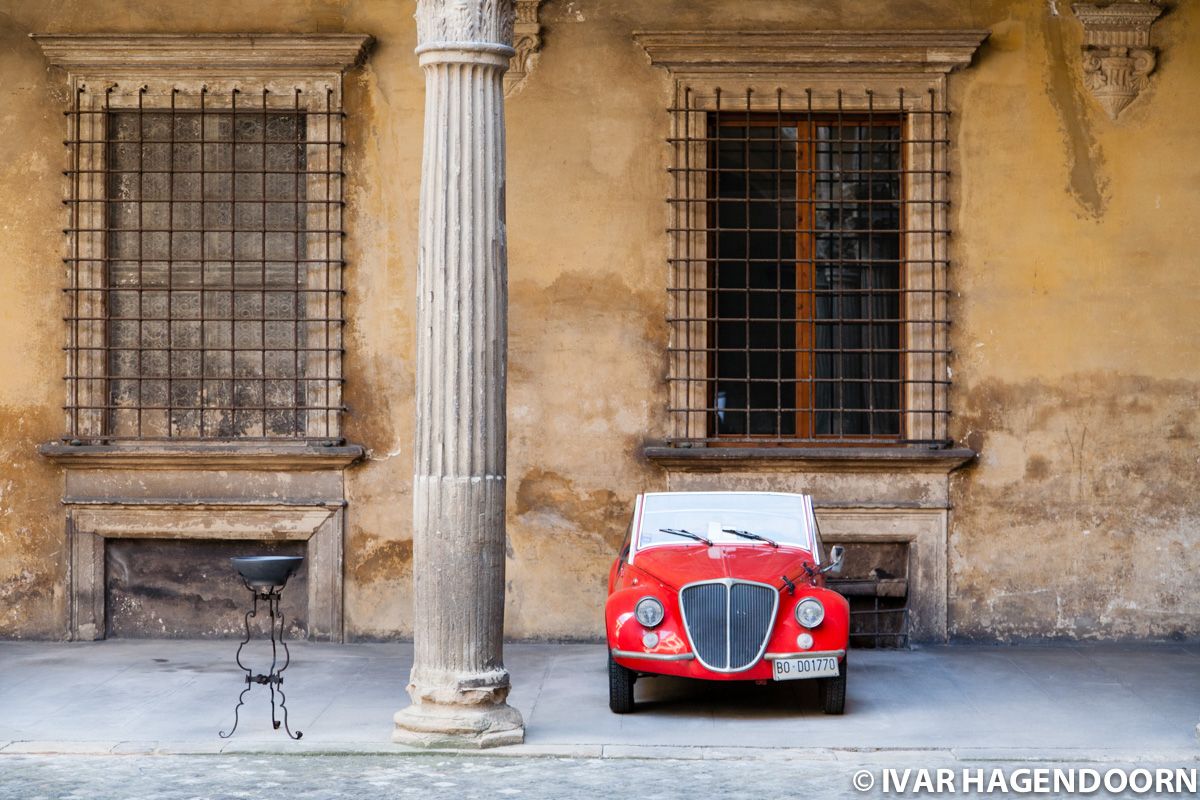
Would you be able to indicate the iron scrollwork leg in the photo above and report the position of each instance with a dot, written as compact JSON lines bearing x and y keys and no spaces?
{"x":252,"y":613}
{"x":241,"y":700}
{"x":274,"y":677}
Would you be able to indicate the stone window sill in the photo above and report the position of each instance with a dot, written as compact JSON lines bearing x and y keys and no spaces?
{"x":824,"y":459}
{"x":272,"y":457}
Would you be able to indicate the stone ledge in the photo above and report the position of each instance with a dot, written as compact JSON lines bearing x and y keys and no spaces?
{"x":791,"y":459}
{"x":281,"y":457}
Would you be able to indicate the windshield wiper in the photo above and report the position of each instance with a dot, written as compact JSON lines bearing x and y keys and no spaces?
{"x":687,"y":534}
{"x":749,"y":535}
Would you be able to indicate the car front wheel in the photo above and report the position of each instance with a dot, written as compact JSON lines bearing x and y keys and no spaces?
{"x":620,"y":687}
{"x":833,"y":691}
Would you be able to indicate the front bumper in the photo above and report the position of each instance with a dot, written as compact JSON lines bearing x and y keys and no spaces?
{"x":685,"y":665}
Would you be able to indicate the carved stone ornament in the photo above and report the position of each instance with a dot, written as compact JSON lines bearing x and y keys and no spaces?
{"x":1117,"y":56}
{"x":446,"y":22}
{"x":527,"y":40}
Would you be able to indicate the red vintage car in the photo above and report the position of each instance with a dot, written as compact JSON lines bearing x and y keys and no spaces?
{"x":725,"y":586}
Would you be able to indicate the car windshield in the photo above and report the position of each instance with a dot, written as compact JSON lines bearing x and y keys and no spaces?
{"x":778,"y":517}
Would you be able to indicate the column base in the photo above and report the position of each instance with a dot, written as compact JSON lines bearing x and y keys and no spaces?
{"x":473,"y":726}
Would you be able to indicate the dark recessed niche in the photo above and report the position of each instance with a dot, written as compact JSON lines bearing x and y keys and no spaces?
{"x":874,"y":579}
{"x":168,"y":588}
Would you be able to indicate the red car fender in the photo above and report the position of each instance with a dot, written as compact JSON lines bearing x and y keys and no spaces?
{"x":832,"y":634}
{"x":624,"y":632}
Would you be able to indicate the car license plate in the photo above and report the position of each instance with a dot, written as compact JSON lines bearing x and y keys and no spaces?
{"x":790,"y":669}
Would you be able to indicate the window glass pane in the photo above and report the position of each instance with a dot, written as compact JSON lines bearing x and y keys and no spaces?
{"x":806,"y":277}
{"x":754,"y":280}
{"x":857,"y":281}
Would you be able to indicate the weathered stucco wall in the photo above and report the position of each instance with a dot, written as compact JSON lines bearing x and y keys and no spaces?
{"x":1077,"y":342}
{"x":1073,"y":262}
{"x":32,"y":552}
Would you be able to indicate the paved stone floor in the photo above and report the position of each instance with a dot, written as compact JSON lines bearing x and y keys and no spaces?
{"x":1070,"y":701}
{"x":139,"y":719}
{"x":260,"y":777}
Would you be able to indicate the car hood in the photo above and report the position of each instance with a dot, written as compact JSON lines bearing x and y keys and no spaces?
{"x":678,"y":566}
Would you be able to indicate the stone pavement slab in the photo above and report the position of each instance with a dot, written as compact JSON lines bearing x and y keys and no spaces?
{"x":1080,"y":702}
{"x":435,"y":777}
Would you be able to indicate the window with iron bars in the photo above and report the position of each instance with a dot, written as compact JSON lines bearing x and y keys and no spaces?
{"x":808,"y":296}
{"x":205,"y":264}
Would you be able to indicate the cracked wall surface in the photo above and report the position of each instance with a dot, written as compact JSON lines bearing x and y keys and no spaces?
{"x":1074,"y":327}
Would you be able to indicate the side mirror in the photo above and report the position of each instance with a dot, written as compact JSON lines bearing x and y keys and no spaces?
{"x":836,"y":554}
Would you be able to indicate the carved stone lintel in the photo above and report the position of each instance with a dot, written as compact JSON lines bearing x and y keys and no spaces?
{"x":738,"y":52}
{"x":210,"y":53}
{"x":527,"y":40}
{"x":1117,"y":56}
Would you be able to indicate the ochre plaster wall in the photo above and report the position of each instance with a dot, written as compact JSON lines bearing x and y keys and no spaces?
{"x":1074,"y":267}
{"x":1077,"y":341}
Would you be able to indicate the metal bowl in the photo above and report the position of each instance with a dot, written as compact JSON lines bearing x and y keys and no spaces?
{"x":267,"y":571}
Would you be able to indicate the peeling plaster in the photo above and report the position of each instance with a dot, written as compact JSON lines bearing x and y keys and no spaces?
{"x":1087,"y":183}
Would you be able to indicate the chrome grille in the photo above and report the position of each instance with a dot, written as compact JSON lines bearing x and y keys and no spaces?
{"x":728,"y":622}
{"x":704,"y":616}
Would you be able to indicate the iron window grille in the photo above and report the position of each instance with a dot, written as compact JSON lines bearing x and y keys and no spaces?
{"x":205,"y":263}
{"x":808,"y":267}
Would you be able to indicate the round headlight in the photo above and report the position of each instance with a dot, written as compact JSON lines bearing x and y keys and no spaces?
{"x":649,"y":612}
{"x":810,"y":612}
{"x":804,"y":641}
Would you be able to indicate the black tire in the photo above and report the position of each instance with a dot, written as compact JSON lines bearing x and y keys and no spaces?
{"x":620,"y":687}
{"x":833,"y":692}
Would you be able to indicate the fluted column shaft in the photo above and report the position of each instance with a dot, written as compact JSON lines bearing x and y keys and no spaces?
{"x":458,"y":683}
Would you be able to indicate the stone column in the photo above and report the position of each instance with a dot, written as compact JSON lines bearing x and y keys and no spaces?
{"x":459,"y":684}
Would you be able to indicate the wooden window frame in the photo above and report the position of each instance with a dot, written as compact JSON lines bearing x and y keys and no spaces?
{"x":805,"y":265}
{"x":920,"y":107}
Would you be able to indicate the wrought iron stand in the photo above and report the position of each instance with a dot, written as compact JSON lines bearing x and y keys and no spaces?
{"x":273,"y":679}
